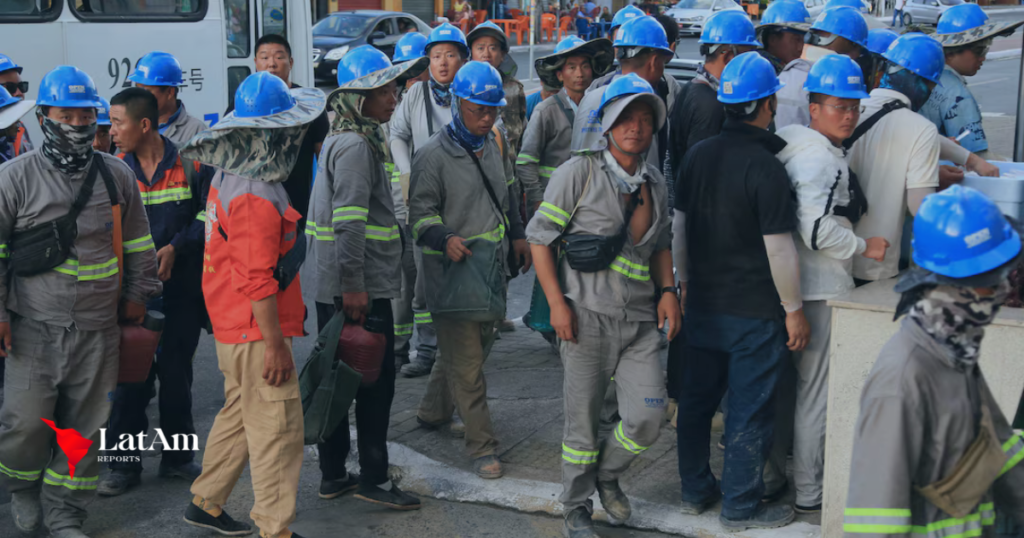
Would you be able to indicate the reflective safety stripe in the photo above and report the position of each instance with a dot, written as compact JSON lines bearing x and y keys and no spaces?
{"x":403,"y":329}
{"x":141,"y":244}
{"x":630,"y":269}
{"x":877,"y":520}
{"x":578,"y":457}
{"x":626,"y":442}
{"x":4,"y":252}
{"x":1014,"y":448}
{"x":30,"y":476}
{"x":424,"y":222}
{"x":83,"y":273}
{"x":320,"y":233}
{"x":546,"y":171}
{"x":166,"y":195}
{"x":350,"y":213}
{"x":972,"y":525}
{"x":510,"y":182}
{"x":423,"y":317}
{"x":201,"y":216}
{"x":555,"y":213}
{"x":494,"y":236}
{"x":381,"y":233}
{"x":523,"y":158}
{"x":77,"y":483}
{"x":432,"y":252}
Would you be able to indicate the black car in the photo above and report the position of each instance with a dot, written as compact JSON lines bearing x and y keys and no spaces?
{"x":342,"y":31}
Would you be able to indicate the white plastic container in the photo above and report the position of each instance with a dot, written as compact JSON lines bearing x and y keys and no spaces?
{"x":1007,"y":191}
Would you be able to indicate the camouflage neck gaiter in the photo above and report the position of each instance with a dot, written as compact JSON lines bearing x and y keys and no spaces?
{"x":67,"y":147}
{"x":956,"y":318}
{"x":259,"y":154}
{"x":348,"y":116}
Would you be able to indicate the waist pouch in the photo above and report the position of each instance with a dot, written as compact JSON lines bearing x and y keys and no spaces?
{"x":470,"y":290}
{"x":592,"y":253}
{"x":959,"y":493}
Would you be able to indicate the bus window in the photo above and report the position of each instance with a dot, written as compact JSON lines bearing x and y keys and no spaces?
{"x":235,"y":77}
{"x":236,"y":22}
{"x":275,"y":18}
{"x":28,"y":10}
{"x":133,"y":10}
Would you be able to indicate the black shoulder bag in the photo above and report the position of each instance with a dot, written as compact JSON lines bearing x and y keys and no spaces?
{"x":44,"y":246}
{"x":428,"y":107}
{"x":593,"y":253}
{"x":858,"y":201}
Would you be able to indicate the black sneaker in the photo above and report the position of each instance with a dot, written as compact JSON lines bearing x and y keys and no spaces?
{"x":394,"y":498}
{"x":766,"y":517}
{"x":813,"y":509}
{"x":222,"y":524}
{"x":578,"y":524}
{"x":697,"y":508}
{"x":186,"y":471}
{"x":330,"y":489}
{"x":118,"y":482}
{"x":615,"y":502}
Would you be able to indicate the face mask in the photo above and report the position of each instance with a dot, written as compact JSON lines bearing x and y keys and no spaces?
{"x":459,"y":133}
{"x":956,"y":318}
{"x":67,"y":147}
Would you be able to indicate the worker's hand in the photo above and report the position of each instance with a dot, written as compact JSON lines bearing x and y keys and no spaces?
{"x":953,"y":138}
{"x":355,"y":305}
{"x":563,"y":321}
{"x":876,"y":248}
{"x":277,"y":363}
{"x":456,"y":250}
{"x":668,"y":312}
{"x":949,"y":176}
{"x":798,"y":329}
{"x":132,"y":313}
{"x":165,"y":262}
{"x":5,"y":338}
{"x":522,"y":250}
{"x":981,"y":167}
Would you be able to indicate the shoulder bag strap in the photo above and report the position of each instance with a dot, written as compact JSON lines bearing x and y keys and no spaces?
{"x":487,"y":185}
{"x":569,"y":114}
{"x":115,"y":209}
{"x":428,"y":107}
{"x":870,"y":122}
{"x":85,"y":193}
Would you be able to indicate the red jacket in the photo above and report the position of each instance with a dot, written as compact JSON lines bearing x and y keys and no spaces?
{"x":259,"y":226}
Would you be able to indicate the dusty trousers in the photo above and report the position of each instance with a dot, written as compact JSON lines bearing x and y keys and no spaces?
{"x":64,"y":375}
{"x":606,"y":348}
{"x":457,"y":380}
{"x":260,"y":425}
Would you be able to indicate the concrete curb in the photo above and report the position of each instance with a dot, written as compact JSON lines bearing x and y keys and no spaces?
{"x":424,"y":476}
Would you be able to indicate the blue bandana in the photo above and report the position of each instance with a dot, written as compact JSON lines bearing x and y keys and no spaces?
{"x":913,"y":86}
{"x":460,"y":134}
{"x":6,"y":149}
{"x":442,"y":94}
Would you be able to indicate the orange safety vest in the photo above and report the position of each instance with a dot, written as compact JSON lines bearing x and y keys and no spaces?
{"x":18,"y":139}
{"x":174,"y":186}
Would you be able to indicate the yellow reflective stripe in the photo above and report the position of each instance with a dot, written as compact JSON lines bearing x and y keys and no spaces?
{"x":853,"y":528}
{"x":423,"y":317}
{"x":30,"y":476}
{"x":1014,"y":448}
{"x":103,"y":270}
{"x":575,"y":452}
{"x":166,"y":195}
{"x":556,"y":209}
{"x":571,"y":459}
{"x":350,"y":212}
{"x":626,"y":442}
{"x":494,"y":236}
{"x":546,"y":171}
{"x":201,"y":216}
{"x":341,"y":218}
{"x":631,"y":270}
{"x":876,"y":520}
{"x":553,"y":218}
{"x":523,"y":158}
{"x":4,"y":253}
{"x":510,"y":182}
{"x":69,"y":267}
{"x":882,"y":512}
{"x":352,"y":208}
{"x":383,"y":233}
{"x":432,"y":252}
{"x":78,"y":483}
{"x":403,"y":329}
{"x":434,"y":220}
{"x":138,"y":245}
{"x":971,"y":525}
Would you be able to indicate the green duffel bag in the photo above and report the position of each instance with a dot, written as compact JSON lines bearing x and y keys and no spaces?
{"x":328,"y":386}
{"x":470,"y":290}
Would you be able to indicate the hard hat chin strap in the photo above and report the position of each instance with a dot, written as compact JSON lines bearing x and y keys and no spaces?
{"x":618,"y":147}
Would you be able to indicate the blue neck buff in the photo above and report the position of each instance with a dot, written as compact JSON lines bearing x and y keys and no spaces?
{"x":459,"y":133}
{"x":913,"y":86}
{"x":442,"y":94}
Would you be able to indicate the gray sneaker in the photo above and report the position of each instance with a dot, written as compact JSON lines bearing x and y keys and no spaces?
{"x":615,"y":502}
{"x":117,"y":483}
{"x":766,"y":517}
{"x":26,"y":510}
{"x":417,"y":367}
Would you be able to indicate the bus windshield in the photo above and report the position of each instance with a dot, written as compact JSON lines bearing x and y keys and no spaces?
{"x":342,"y":25}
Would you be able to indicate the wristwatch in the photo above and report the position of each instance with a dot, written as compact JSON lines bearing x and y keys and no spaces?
{"x":670,"y":289}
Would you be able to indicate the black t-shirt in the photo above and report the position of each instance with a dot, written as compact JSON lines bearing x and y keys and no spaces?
{"x":697,"y":115}
{"x":735,"y":192}
{"x":300,"y":182}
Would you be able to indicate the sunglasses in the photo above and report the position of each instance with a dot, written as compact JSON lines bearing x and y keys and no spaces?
{"x":13,"y":87}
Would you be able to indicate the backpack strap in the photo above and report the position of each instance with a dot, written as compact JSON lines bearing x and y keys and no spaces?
{"x":870,"y":122}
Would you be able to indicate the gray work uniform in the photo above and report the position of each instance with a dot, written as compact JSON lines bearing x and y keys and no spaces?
{"x":794,"y":108}
{"x":917,"y":418}
{"x":358,"y":245}
{"x":448,"y":197}
{"x":546,"y":145}
{"x":64,"y":332}
{"x":401,"y":306}
{"x":617,"y":321}
{"x":409,"y":123}
{"x":184,"y":127}
{"x":586,"y":130}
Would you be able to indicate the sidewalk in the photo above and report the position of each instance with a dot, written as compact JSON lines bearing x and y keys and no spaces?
{"x":524,"y":388}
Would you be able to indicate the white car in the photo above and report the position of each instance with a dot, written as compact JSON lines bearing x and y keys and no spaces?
{"x":926,"y":11}
{"x":692,"y":14}
{"x":815,"y":7}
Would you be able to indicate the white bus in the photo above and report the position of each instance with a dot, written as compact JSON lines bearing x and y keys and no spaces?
{"x":214,"y":41}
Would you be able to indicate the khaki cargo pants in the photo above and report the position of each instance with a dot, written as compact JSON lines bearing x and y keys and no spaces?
{"x":260,"y":425}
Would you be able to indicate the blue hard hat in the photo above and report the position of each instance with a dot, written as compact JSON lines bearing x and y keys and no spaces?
{"x":621,"y":93}
{"x":845,"y":22}
{"x":623,"y":86}
{"x":262,"y":94}
{"x":960,"y":233}
{"x":478,"y":82}
{"x":68,"y":87}
{"x":626,"y":14}
{"x":785,"y":11}
{"x":730,"y":27}
{"x":748,"y":77}
{"x":837,"y":75}
{"x":645,"y":32}
{"x":961,"y":18}
{"x":855,"y":4}
{"x":6,"y":64}
{"x":103,"y":113}
{"x":488,"y":28}
{"x":157,"y":69}
{"x":879,"y":39}
{"x":410,"y":47}
{"x":6,"y":99}
{"x":446,"y":33}
{"x":918,"y":53}
{"x":568,"y":43}
{"x":359,"y":62}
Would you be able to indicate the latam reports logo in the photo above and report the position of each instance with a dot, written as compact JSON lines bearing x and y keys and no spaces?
{"x":75,"y":446}
{"x":72,"y":444}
